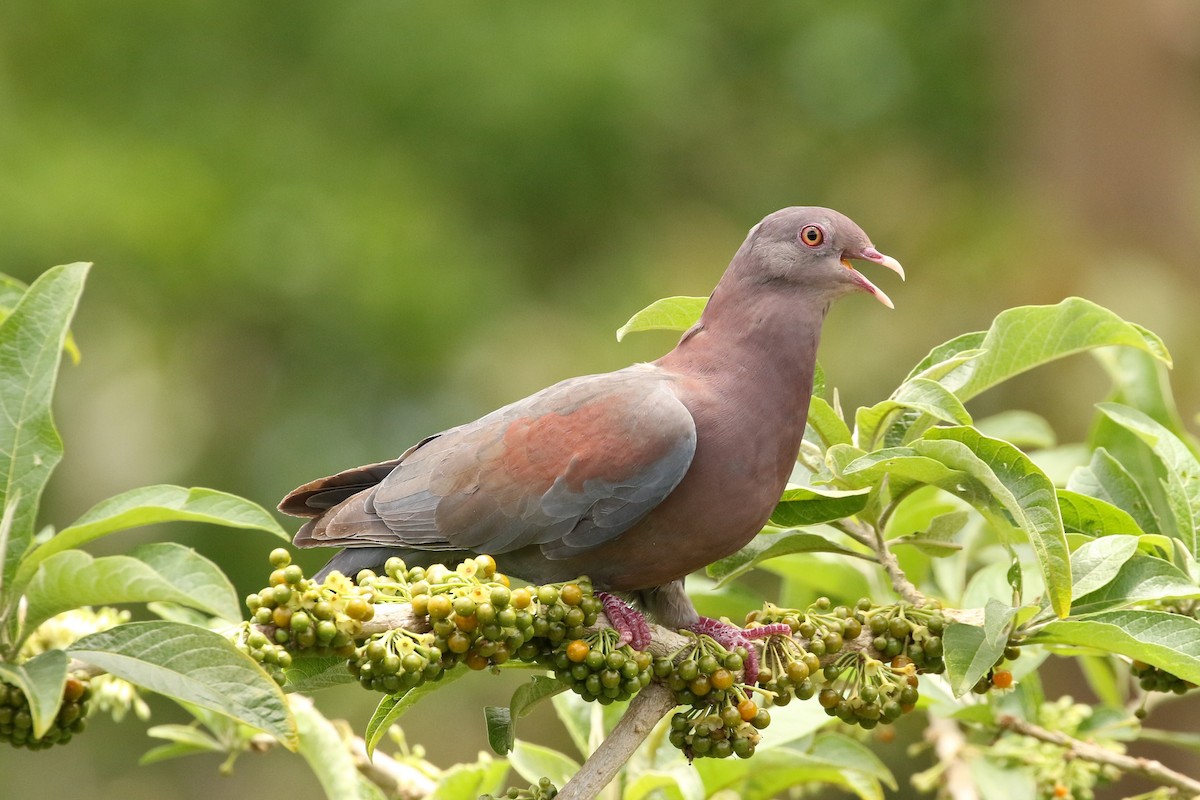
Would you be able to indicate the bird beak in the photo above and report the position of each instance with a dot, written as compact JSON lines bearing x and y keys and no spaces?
{"x":871,"y":254}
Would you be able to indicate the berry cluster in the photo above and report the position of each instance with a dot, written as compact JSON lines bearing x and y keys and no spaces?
{"x":542,"y":790}
{"x":907,"y":630}
{"x":826,"y":627}
{"x":295,"y":613}
{"x":861,"y":690}
{"x":396,"y":660}
{"x":16,"y":723}
{"x":787,"y":670}
{"x":722,"y":720}
{"x":1153,"y":679}
{"x":597,"y":668}
{"x":731,"y":730}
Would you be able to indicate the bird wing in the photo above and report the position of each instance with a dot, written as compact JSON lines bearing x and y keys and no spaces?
{"x":568,"y":468}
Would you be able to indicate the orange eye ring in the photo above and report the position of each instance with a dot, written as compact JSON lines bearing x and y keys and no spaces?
{"x":812,"y":235}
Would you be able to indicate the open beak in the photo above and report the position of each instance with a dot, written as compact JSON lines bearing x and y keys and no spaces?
{"x":871,"y":254}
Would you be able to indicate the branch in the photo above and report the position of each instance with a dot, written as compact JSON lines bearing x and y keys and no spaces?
{"x":645,"y":710}
{"x":948,"y":744}
{"x":868,"y":536}
{"x":1077,"y":748}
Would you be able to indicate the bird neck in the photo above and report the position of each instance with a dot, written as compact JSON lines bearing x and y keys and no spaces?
{"x":762,"y":337}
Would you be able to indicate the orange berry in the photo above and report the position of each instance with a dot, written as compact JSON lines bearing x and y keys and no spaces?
{"x":357,"y":608}
{"x":475,"y":661}
{"x":1061,"y":791}
{"x":578,"y":650}
{"x":486,"y":564}
{"x":748,"y":709}
{"x":282,"y":617}
{"x":722,"y":679}
{"x":521,"y":598}
{"x":466,"y":623}
{"x":1002,"y":679}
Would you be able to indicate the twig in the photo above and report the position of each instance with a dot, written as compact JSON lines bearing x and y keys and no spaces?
{"x":1077,"y":748}
{"x":886,"y":558}
{"x":645,"y":710}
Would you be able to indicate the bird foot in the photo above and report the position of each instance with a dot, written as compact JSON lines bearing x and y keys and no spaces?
{"x":732,"y":637}
{"x":626,"y":621}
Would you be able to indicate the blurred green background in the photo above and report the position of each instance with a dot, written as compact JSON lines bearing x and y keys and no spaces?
{"x":325,"y":230}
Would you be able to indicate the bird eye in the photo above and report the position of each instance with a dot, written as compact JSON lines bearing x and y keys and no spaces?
{"x":812,"y":235}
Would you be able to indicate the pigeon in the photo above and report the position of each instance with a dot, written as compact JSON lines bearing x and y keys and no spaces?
{"x":635,"y":478}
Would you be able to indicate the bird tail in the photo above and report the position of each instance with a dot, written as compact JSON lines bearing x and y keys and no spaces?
{"x":314,"y":497}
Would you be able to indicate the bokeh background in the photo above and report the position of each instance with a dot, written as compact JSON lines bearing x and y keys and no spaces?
{"x":324,"y":230}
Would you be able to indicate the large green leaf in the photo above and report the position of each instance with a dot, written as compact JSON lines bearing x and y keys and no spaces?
{"x":195,"y":666}
{"x":1028,"y":336}
{"x":153,"y":572}
{"x":919,"y":394}
{"x":11,"y":292}
{"x":393,"y":706}
{"x":1098,"y":561}
{"x":313,"y":673}
{"x":812,"y":505}
{"x":1106,"y":479}
{"x":1006,"y":480}
{"x":1094,"y":516}
{"x":971,"y":650}
{"x":949,"y":356}
{"x":1182,"y":481}
{"x":150,"y":505}
{"x":1140,"y":381}
{"x":667,"y":314}
{"x":1170,"y":642}
{"x":1141,"y":579}
{"x":772,"y":545}
{"x":41,"y":679}
{"x":830,"y":427}
{"x":31,"y":345}
{"x":470,"y":781}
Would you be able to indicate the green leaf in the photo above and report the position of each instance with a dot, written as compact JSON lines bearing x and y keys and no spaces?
{"x":154,"y":572}
{"x":949,"y":356}
{"x":185,"y":734}
{"x":812,"y":505}
{"x":501,"y":732}
{"x":1012,"y":483}
{"x":1140,"y":381}
{"x":1025,"y":429}
{"x":166,"y":752}
{"x":534,"y":762}
{"x":919,"y":394}
{"x":970,"y":651}
{"x":1028,"y":336}
{"x":312,"y":673}
{"x":1104,"y":478}
{"x":827,"y":424}
{"x":393,"y":706}
{"x":195,"y":666}
{"x":938,"y":540}
{"x":1094,"y":516}
{"x":1103,"y":679}
{"x":1182,"y":482}
{"x":772,"y":545}
{"x":1141,"y":579}
{"x":667,"y":314}
{"x":469,"y":781}
{"x":150,"y":505}
{"x":653,"y":783}
{"x":1097,"y":562}
{"x":31,"y":346}
{"x":11,"y":292}
{"x":1168,"y":641}
{"x":327,"y":755}
{"x":42,"y":679}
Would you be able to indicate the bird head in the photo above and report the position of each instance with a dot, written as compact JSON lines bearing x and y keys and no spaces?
{"x":813,"y":247}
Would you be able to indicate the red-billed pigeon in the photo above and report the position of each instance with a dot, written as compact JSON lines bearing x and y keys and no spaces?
{"x":634,"y":478}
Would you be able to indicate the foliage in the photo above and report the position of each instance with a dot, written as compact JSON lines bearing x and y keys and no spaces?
{"x":957,"y":555}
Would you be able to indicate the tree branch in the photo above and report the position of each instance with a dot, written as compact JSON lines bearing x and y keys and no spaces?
{"x":645,"y":710}
{"x":870,"y":537}
{"x":1077,"y":748}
